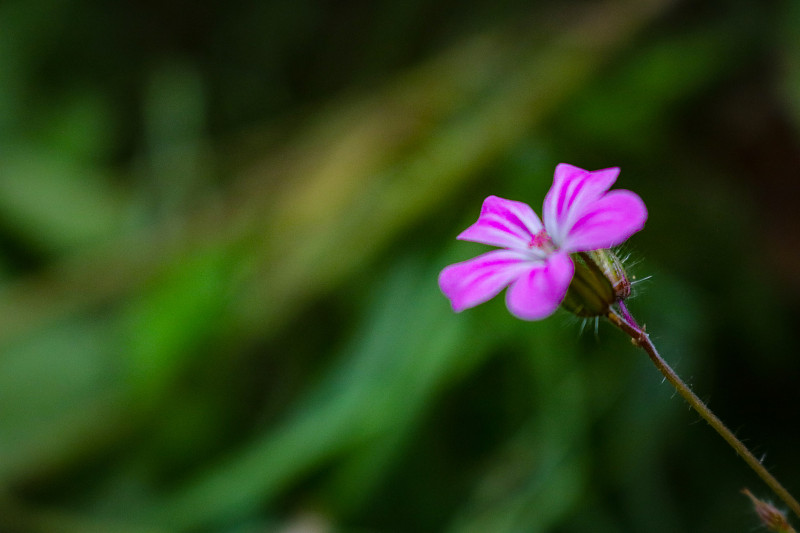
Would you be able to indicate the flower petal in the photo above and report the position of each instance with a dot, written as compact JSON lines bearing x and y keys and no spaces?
{"x":504,"y":223}
{"x":573,"y":190}
{"x":607,"y":222}
{"x":538,"y":293}
{"x":477,"y":280}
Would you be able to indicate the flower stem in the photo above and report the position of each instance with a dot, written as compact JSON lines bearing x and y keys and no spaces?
{"x":642,"y":339}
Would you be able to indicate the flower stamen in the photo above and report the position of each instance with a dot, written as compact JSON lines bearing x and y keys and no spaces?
{"x":543,"y":242}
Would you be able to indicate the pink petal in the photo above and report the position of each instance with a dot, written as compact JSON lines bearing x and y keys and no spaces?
{"x":538,"y":293}
{"x":607,"y":222}
{"x":504,"y":223}
{"x":473,"y":282}
{"x":573,"y":190}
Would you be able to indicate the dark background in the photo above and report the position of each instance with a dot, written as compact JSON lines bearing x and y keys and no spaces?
{"x":221,"y":226}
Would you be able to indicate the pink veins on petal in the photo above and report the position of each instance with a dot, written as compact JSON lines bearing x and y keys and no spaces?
{"x":580,"y":214}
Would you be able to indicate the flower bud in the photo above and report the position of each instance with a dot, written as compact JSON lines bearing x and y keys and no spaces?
{"x":772,"y":518}
{"x":599,"y":281}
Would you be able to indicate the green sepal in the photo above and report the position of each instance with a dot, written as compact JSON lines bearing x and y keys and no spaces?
{"x":599,"y":281}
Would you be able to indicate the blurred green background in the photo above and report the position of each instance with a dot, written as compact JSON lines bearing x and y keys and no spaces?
{"x":222,"y":224}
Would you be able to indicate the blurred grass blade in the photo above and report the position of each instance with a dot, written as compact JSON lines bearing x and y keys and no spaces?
{"x":381,"y":382}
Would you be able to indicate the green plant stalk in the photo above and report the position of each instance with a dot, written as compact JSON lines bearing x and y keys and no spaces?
{"x":642,"y":339}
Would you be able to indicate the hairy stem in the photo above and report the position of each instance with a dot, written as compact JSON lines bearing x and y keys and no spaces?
{"x":642,"y":339}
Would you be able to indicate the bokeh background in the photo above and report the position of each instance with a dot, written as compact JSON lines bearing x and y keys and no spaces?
{"x":221,"y":226}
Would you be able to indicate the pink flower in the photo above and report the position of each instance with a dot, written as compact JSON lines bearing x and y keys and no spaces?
{"x":580,"y":215}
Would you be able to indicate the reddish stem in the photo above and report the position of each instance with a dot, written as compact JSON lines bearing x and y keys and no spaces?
{"x":642,"y":339}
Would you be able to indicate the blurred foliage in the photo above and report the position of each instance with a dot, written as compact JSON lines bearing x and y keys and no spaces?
{"x":222,"y":225}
